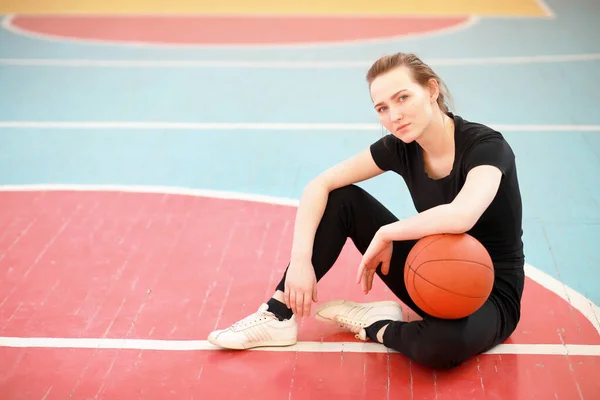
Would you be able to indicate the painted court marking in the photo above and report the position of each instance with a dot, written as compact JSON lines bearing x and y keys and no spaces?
{"x":233,"y":30}
{"x":265,"y":126}
{"x":90,"y":291}
{"x":277,"y":64}
{"x":8,"y":25}
{"x":545,"y":8}
{"x":529,"y":8}
{"x":306,"y":347}
{"x":588,"y":309}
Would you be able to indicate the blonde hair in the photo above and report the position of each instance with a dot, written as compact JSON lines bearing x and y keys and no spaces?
{"x":420,"y":71}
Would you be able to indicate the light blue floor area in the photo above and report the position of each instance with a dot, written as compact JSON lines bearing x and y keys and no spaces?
{"x":559,"y":170}
{"x":556,"y":93}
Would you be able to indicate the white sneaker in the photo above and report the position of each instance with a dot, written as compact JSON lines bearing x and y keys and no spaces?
{"x":259,"y":329}
{"x":355,"y":317}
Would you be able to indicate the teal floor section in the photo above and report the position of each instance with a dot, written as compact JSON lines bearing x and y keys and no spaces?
{"x":539,"y":94}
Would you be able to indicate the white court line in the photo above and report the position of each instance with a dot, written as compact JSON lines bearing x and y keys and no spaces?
{"x":545,"y":8}
{"x":578,"y":301}
{"x":320,"y":347}
{"x":575,"y":299}
{"x":264,"y":126}
{"x":278,"y":64}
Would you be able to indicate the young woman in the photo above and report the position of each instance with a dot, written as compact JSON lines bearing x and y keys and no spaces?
{"x":462,"y":178}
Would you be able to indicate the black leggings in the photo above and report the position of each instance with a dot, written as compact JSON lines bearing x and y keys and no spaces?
{"x":432,"y":342}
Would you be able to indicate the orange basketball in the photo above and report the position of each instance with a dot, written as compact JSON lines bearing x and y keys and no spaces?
{"x":449,"y":275}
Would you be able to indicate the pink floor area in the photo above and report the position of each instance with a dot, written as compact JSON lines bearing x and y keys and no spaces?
{"x":229,"y":30}
{"x":174,"y":267}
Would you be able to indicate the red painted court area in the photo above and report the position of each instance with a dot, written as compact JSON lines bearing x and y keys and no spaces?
{"x":110,"y":265}
{"x":244,"y":30}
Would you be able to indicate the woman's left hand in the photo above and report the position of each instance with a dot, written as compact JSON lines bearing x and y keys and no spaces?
{"x":379,"y":251}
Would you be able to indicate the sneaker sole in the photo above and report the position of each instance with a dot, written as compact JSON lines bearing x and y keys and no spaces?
{"x":334,"y":303}
{"x":241,"y":346}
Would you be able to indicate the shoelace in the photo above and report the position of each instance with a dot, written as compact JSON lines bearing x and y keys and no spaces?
{"x":358,"y":329}
{"x":254,"y":317}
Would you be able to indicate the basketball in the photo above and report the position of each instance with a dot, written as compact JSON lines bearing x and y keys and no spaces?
{"x":449,"y":276}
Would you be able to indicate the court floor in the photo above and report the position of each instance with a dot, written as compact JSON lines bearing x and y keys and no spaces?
{"x":152,"y":156}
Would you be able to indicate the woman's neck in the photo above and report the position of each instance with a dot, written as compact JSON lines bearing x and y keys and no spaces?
{"x":437,"y":140}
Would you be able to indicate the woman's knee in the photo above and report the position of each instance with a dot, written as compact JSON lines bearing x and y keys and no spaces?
{"x":345,"y":194}
{"x":344,"y":201}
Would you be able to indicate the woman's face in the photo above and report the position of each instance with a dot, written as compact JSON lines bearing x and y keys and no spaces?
{"x":404,"y":107}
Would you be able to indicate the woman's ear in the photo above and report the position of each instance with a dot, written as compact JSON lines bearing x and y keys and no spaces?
{"x":434,"y":90}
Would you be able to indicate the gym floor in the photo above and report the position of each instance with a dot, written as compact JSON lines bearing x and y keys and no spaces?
{"x":152,"y":156}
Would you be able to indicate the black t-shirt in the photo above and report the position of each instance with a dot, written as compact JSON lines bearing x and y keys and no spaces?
{"x":499,"y":229}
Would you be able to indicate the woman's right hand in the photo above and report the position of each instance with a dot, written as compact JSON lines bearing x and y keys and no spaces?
{"x":300,"y":288}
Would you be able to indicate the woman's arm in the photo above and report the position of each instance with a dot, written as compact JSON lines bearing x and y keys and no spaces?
{"x":479,"y":190}
{"x":459,"y":216}
{"x":314,"y":199}
{"x":300,"y":285}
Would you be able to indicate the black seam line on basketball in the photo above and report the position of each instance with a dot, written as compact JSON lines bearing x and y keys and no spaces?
{"x":444,"y":289}
{"x":426,"y":246}
{"x":457,"y":259}
{"x":422,"y":299}
{"x":416,"y":293}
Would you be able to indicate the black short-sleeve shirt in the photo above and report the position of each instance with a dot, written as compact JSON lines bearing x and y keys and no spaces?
{"x":499,"y":229}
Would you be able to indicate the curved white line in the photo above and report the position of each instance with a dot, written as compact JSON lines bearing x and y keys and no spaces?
{"x":545,"y":8}
{"x":7,"y":24}
{"x":581,"y":303}
{"x":578,"y":301}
